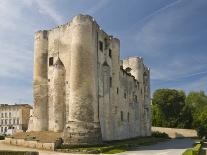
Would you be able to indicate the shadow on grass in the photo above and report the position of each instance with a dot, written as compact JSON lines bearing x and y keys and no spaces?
{"x":112,"y":146}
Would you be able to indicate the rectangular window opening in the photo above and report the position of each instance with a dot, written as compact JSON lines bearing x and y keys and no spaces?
{"x":135,"y":98}
{"x":110,"y":53}
{"x":110,"y":81}
{"x":50,"y":61}
{"x":125,"y":95}
{"x":128,"y":117}
{"x":122,"y":116}
{"x":101,"y":45}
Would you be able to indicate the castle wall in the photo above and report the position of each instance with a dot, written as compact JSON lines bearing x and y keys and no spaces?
{"x":101,"y":98}
{"x":59,"y":41}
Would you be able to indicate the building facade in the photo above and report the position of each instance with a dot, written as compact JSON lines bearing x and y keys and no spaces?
{"x":83,"y":89}
{"x":14,"y":117}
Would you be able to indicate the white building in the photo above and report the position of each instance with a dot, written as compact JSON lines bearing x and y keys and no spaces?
{"x":14,"y":117}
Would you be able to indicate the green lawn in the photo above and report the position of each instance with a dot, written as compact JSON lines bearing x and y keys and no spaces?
{"x":113,"y":146}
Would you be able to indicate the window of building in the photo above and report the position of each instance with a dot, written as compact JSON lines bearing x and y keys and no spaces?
{"x":5,"y":129}
{"x":2,"y":122}
{"x":10,"y":121}
{"x":2,"y":115}
{"x":5,"y":114}
{"x":14,"y":121}
{"x":9,"y":114}
{"x":5,"y":122}
{"x":110,"y":53}
{"x":128,"y":116}
{"x":106,"y":43}
{"x":17,"y":121}
{"x":2,"y":129}
{"x":137,"y":85}
{"x":101,"y":45}
{"x":125,"y":95}
{"x":115,"y":109}
{"x":135,"y":98}
{"x":50,"y":61}
{"x":122,"y":116}
{"x":117,"y":90}
{"x":110,"y":81}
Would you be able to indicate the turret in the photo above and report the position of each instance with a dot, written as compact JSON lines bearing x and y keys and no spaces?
{"x":81,"y":127}
{"x":59,"y":96}
{"x":137,"y":70}
{"x":40,"y":89}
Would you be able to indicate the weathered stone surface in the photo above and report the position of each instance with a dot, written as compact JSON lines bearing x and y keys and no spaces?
{"x":90,"y":95}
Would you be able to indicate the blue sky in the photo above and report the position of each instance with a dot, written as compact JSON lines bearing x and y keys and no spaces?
{"x":169,"y":34}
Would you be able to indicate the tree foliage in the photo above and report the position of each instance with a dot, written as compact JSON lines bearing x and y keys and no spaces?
{"x":168,"y":105}
{"x":171,"y":108}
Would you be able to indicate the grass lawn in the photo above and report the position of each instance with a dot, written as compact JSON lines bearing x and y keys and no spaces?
{"x":113,"y":146}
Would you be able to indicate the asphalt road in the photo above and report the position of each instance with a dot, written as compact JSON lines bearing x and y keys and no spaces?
{"x":172,"y":147}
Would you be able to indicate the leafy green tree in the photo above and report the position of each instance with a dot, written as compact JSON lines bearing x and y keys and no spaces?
{"x":201,"y":123}
{"x":168,"y":107}
{"x":185,"y":117}
{"x":197,"y":101}
{"x":171,"y":108}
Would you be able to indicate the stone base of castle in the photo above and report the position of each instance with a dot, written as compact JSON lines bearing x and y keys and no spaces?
{"x":82,"y":133}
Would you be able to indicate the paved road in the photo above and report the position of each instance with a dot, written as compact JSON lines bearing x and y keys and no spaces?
{"x":172,"y":147}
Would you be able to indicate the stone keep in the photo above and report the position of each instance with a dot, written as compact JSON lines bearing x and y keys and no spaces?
{"x":82,"y":88}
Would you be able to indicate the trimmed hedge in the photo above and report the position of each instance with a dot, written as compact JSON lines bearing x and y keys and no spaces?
{"x":2,"y":152}
{"x":193,"y":151}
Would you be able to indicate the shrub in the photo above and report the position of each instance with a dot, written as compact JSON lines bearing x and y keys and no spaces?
{"x":193,"y":151}
{"x":2,"y":137}
{"x":160,"y":134}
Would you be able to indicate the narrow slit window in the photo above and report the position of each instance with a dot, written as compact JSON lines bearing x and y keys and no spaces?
{"x":101,"y":45}
{"x":110,"y":53}
{"x":110,"y":81}
{"x":122,"y":116}
{"x":128,"y":117}
{"x":125,"y":95}
{"x":117,"y":90}
{"x":135,"y":98}
{"x":50,"y":61}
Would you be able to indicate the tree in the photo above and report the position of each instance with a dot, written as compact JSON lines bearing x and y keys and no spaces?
{"x":169,"y":109}
{"x":197,"y":101}
{"x":201,"y":123}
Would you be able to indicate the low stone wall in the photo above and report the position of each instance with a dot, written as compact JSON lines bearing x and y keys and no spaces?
{"x":2,"y":152}
{"x":175,"y":132}
{"x":31,"y":144}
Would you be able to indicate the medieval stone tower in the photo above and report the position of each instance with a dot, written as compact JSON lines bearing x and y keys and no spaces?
{"x":82,"y":88}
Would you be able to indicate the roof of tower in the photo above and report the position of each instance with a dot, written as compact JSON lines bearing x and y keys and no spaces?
{"x":59,"y":64}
